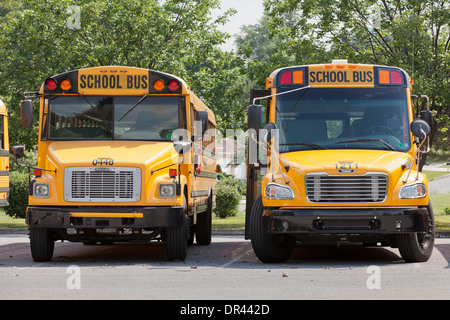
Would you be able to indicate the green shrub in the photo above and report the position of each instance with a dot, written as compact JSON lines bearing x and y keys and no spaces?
{"x":18,"y":195}
{"x":227,"y":198}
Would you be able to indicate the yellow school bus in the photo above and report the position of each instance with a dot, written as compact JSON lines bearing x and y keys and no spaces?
{"x":337,"y":161}
{"x":124,"y":154}
{"x":4,"y":155}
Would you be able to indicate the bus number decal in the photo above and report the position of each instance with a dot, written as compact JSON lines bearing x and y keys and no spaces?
{"x":346,"y":166}
{"x":102,"y":162}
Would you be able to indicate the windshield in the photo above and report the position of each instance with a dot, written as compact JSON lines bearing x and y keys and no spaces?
{"x":107,"y":118}
{"x":343,"y":118}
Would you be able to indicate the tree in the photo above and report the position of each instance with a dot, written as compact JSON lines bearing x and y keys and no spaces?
{"x":49,"y":37}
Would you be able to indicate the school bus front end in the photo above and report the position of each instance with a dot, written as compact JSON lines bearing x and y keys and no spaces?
{"x":341,"y":163}
{"x":108,"y":170}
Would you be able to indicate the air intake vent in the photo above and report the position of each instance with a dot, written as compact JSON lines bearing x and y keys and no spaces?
{"x":114,"y":184}
{"x":371,"y":187}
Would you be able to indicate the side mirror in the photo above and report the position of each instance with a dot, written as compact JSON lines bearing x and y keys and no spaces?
{"x":18,"y":151}
{"x":254,"y":117}
{"x":269,"y":127}
{"x":420,"y":129}
{"x":253,"y":126}
{"x":182,"y":147}
{"x":26,"y":113}
{"x":427,"y":116}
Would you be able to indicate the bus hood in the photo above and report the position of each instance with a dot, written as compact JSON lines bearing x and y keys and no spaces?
{"x":150,"y":155}
{"x":344,"y":161}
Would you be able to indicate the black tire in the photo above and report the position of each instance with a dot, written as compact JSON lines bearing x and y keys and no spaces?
{"x":268,"y":248}
{"x":177,"y":240}
{"x":176,"y":243}
{"x":41,"y":244}
{"x":203,"y":229}
{"x":418,"y":247}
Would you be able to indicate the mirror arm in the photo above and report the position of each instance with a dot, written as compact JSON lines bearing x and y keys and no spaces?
{"x":413,"y":158}
{"x":173,"y":164}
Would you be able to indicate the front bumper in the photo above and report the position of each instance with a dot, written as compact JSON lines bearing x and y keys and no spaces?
{"x":346,"y":221}
{"x":104,"y":217}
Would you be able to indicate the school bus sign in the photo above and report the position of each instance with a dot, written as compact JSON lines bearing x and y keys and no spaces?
{"x":100,"y":81}
{"x":333,"y":75}
{"x":340,"y":77}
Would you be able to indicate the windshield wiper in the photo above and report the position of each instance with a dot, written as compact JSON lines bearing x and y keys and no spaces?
{"x":303,"y":144}
{"x":368,"y":140}
{"x":135,"y":105}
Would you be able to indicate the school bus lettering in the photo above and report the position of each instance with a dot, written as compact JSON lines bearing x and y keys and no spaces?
{"x":362,"y":76}
{"x":342,"y":166}
{"x":340,"y":77}
{"x":137,"y":82}
{"x":113,"y":81}
{"x":110,"y":165}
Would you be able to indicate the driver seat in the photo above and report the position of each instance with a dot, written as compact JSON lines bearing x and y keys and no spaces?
{"x":375,"y":116}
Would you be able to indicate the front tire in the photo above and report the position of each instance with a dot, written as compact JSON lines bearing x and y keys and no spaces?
{"x":41,"y":244}
{"x":176,"y":243}
{"x":177,"y":239}
{"x":268,"y":248}
{"x":418,"y":247}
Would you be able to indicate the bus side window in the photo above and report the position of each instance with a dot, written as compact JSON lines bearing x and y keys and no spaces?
{"x":192,"y":123}
{"x":2,"y":136}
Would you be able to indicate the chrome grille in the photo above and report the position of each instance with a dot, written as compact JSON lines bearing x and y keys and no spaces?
{"x":91,"y":184}
{"x":371,"y":187}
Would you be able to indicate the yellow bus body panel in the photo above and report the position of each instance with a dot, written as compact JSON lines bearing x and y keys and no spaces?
{"x":4,"y":157}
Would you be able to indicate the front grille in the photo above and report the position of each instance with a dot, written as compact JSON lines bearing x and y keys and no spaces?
{"x":90,"y":184}
{"x":371,"y":187}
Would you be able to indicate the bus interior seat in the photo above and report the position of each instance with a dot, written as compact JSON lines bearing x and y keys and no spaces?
{"x":145,"y":128}
{"x":374,"y":116}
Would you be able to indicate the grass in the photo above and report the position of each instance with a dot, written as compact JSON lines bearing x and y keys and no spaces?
{"x":236,"y":222}
{"x":8,"y":222}
{"x":431,"y":175}
{"x":440,"y":202}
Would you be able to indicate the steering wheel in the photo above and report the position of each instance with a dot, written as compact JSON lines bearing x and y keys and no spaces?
{"x":379,"y":129}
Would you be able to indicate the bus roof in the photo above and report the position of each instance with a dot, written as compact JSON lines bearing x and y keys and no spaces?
{"x":114,"y":80}
{"x":338,"y":74}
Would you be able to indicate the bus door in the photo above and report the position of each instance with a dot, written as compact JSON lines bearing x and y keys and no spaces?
{"x":199,"y":186}
{"x":256,"y":169}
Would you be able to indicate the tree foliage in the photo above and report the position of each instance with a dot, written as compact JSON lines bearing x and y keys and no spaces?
{"x":413,"y":35}
{"x":43,"y":38}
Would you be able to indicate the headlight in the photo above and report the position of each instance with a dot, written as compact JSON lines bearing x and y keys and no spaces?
{"x":278,"y":192}
{"x":416,"y":190}
{"x":41,"y":190}
{"x":166,"y":190}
